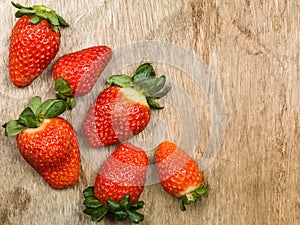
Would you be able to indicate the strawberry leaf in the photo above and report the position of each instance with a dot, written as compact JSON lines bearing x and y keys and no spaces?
{"x":185,"y":201}
{"x":53,"y":19}
{"x":88,"y":192}
{"x":182,"y":206}
{"x":88,"y":211}
{"x":17,"y":5}
{"x":121,"y":80}
{"x":121,"y":210}
{"x":35,"y":20}
{"x":18,"y":14}
{"x":71,"y":102}
{"x":55,"y":28}
{"x":92,"y":202}
{"x":143,"y":71}
{"x":153,"y":104}
{"x":121,"y":215}
{"x":51,"y":108}
{"x":24,"y":11}
{"x":44,"y":107}
{"x":28,"y":118}
{"x":94,"y":207}
{"x":56,"y":108}
{"x":145,"y":68}
{"x":99,"y":213}
{"x":62,"y":86}
{"x":136,"y":206}
{"x":113,"y":205}
{"x":40,"y":12}
{"x":61,"y":96}
{"x":157,"y":85}
{"x":135,"y":217}
{"x":42,"y":15}
{"x":34,"y":104}
{"x":13,"y":128}
{"x":33,"y":115}
{"x":201,"y":191}
{"x":64,"y":92}
{"x":125,"y":202}
{"x":62,"y":21}
{"x":162,"y":93}
{"x":145,"y":84}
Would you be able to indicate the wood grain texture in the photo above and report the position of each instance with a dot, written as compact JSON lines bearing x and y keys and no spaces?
{"x":252,"y":48}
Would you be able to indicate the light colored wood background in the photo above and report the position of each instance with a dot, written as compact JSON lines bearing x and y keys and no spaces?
{"x":252,"y":48}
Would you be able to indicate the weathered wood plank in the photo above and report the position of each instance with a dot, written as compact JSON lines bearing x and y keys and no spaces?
{"x":252,"y":49}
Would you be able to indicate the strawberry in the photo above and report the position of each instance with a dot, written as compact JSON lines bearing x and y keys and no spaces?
{"x":122,"y":110}
{"x":118,"y":186}
{"x":34,"y":42}
{"x":48,"y":143}
{"x":67,"y":173}
{"x":80,"y":70}
{"x":179,"y":174}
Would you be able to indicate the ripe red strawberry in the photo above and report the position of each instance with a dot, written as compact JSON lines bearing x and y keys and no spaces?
{"x":118,"y":186}
{"x":81,"y":70}
{"x":179,"y":174}
{"x":67,"y":173}
{"x":34,"y":42}
{"x":48,"y":143}
{"x":123,"y":109}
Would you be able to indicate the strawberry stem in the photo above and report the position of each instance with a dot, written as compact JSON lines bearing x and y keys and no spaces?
{"x":121,"y":210}
{"x":192,"y":197}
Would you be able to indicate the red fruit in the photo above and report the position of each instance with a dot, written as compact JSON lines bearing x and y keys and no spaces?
{"x":116,"y":116}
{"x":67,"y":173}
{"x":179,"y":173}
{"x":119,"y":184}
{"x":123,"y":173}
{"x":44,"y":147}
{"x":48,"y":143}
{"x":123,"y":109}
{"x":34,"y":43}
{"x":81,"y":69}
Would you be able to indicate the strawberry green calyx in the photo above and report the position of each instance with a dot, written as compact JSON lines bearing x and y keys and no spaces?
{"x":64,"y":92}
{"x":145,"y":82}
{"x":121,"y":210}
{"x":33,"y":115}
{"x":41,"y":12}
{"x":191,"y":197}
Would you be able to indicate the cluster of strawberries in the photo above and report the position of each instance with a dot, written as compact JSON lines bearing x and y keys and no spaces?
{"x":49,"y":143}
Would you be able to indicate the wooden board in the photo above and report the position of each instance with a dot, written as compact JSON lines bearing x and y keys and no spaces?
{"x":251,"y":52}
